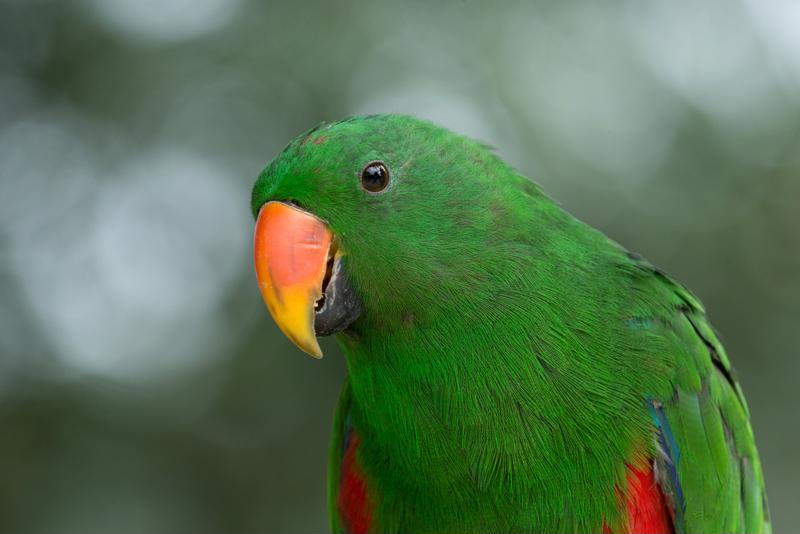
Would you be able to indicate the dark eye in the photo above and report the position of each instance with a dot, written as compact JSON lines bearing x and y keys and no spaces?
{"x":375,"y":177}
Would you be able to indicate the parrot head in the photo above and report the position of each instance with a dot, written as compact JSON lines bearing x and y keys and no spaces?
{"x":380,"y":221}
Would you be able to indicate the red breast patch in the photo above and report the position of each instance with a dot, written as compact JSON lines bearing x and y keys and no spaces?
{"x":647,"y":510}
{"x":353,"y":500}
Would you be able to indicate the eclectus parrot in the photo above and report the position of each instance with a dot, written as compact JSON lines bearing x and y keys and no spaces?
{"x":509,"y":368}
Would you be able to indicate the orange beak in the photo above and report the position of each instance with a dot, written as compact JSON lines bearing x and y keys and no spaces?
{"x":291,"y":250}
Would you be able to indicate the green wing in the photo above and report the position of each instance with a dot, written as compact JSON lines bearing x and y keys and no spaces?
{"x":707,"y":464}
{"x":340,"y":430}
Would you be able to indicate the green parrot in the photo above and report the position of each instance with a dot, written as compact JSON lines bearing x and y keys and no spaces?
{"x":509,"y":368}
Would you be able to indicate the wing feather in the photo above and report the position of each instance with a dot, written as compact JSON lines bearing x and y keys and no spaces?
{"x":706,"y":463}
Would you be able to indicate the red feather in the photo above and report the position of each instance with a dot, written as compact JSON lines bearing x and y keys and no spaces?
{"x":647,"y":510}
{"x":353,"y":499}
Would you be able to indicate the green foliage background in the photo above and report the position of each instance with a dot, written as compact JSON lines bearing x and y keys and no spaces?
{"x":143,"y":385}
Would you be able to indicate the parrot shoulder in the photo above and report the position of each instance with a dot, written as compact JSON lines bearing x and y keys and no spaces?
{"x":706,"y":462}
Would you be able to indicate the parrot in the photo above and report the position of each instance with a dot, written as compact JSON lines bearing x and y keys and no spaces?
{"x":509,"y":368}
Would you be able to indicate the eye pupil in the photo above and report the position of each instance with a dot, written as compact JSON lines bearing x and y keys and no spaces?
{"x":375,"y":177}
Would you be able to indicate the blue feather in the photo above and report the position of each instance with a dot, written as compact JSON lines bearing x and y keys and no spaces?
{"x":672,"y":455}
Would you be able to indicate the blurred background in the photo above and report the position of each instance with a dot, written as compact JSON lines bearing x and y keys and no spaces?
{"x":143,"y":385}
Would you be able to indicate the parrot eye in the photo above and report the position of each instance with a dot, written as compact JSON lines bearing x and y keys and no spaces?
{"x":375,"y":177}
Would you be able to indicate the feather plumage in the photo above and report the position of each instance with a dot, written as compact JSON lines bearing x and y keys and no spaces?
{"x":512,"y":364}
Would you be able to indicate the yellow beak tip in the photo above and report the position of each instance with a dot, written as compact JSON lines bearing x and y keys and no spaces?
{"x":311,"y":348}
